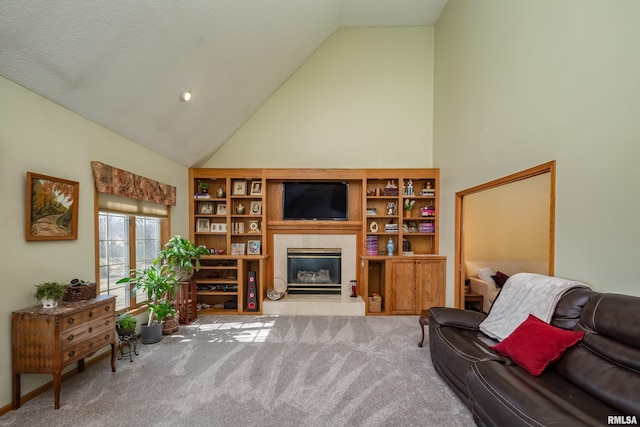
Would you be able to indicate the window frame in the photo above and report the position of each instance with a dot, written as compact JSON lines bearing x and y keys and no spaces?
{"x":134,"y":308}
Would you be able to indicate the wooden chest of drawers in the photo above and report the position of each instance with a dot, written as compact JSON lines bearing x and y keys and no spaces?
{"x":48,"y":340}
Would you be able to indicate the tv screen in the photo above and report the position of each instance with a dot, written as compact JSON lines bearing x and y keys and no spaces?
{"x":315,"y":201}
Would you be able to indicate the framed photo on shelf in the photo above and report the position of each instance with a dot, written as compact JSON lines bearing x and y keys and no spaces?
{"x":256,"y":208}
{"x":221,"y":209}
{"x":205,"y":208}
{"x":237,"y":249}
{"x":239,"y":188}
{"x":254,"y":227}
{"x":253,"y":247}
{"x":218,"y":227}
{"x":202,"y":225}
{"x":256,"y":188}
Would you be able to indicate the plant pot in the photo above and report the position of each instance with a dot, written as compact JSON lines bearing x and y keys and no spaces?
{"x":169,"y":325}
{"x":182,"y":274}
{"x":151,"y":334}
{"x":124,"y":332}
{"x":49,"y":303}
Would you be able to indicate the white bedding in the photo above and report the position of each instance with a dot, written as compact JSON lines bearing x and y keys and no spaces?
{"x":521,"y":295}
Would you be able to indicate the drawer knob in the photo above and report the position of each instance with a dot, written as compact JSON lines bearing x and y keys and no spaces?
{"x":90,"y":329}
{"x":91,"y":314}
{"x":107,"y":308}
{"x":106,"y":322}
{"x":71,"y":320}
{"x":70,"y":337}
{"x":71,"y":353}
{"x":106,"y":337}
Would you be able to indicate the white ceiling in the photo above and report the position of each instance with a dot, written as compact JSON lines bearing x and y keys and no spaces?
{"x":123,"y":63}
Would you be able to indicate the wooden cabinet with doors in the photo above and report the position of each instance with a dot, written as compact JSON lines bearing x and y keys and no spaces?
{"x":407,"y":284}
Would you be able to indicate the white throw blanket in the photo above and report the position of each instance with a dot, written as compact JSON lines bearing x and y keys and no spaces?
{"x":521,"y":295}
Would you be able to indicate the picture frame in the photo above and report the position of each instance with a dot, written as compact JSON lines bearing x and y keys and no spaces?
{"x":205,"y":208}
{"x":239,"y":188}
{"x":59,"y":221}
{"x":237,"y":249}
{"x":203,"y":225}
{"x":221,"y":209}
{"x":253,"y":247}
{"x":254,"y":227}
{"x":256,"y":208}
{"x":217,"y":227}
{"x":256,"y":188}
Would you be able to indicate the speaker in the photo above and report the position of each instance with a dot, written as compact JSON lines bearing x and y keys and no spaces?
{"x":252,"y":300}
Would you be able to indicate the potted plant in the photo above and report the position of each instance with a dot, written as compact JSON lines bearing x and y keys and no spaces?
{"x":203,"y":186}
{"x":181,"y":255}
{"x":159,"y":284}
{"x":166,"y":313}
{"x":50,"y":293}
{"x":125,"y":324}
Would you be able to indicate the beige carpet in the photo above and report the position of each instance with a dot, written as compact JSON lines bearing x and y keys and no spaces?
{"x":262,"y":371}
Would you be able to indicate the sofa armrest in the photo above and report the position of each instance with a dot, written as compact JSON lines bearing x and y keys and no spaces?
{"x":489,"y":291}
{"x":466,"y":319}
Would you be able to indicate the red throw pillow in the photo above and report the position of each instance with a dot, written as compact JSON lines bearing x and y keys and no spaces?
{"x":535,"y":344}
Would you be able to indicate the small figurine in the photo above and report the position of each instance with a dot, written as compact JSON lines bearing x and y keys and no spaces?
{"x":410,"y":188}
{"x":391,"y":208}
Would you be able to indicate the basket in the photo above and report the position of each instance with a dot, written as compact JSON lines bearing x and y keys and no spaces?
{"x":80,"y":292}
{"x":375,"y":303}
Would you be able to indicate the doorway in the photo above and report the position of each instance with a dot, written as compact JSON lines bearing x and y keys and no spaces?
{"x":510,"y":219}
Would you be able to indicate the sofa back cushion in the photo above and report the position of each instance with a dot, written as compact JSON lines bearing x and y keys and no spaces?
{"x":606,"y":363}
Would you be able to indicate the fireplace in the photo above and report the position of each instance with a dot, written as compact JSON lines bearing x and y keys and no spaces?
{"x":314,"y":270}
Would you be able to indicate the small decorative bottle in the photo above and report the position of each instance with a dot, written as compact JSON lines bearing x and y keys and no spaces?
{"x":390,"y":247}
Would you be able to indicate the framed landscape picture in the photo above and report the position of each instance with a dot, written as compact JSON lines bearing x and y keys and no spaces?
{"x":52,"y":208}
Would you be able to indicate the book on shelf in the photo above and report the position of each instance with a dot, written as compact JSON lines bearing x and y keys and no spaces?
{"x":202,"y":196}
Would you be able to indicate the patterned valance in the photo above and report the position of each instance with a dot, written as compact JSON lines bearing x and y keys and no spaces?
{"x":119,"y":182}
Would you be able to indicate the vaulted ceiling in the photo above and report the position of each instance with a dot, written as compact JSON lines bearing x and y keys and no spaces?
{"x":123,"y":63}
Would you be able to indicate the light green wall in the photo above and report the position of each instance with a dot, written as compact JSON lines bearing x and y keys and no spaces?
{"x":519,"y":83}
{"x":363,"y":99}
{"x":39,"y":136}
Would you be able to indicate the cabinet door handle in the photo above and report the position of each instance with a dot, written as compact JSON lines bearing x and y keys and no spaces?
{"x":90,"y":329}
{"x":70,"y":337}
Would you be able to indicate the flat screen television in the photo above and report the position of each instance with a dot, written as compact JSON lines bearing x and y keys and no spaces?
{"x":315,"y":200}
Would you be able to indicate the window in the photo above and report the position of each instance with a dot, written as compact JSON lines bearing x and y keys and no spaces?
{"x":126,"y":240}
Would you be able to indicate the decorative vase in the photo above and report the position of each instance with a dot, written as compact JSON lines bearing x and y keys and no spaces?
{"x":407,"y":214}
{"x":240,"y":209}
{"x":220,"y":192}
{"x":390,"y":247}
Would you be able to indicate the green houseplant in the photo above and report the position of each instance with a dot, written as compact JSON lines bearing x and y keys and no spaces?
{"x":182,"y":256}
{"x":125,"y":324}
{"x":159,"y":284}
{"x":50,"y":293}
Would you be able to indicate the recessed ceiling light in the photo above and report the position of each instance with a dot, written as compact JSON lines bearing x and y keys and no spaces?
{"x":185,"y":95}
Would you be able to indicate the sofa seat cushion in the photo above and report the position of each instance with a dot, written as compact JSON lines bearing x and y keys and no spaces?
{"x":508,"y":395}
{"x":455,"y":343}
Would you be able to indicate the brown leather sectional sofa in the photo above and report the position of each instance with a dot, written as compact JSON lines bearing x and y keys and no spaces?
{"x":596,"y":382}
